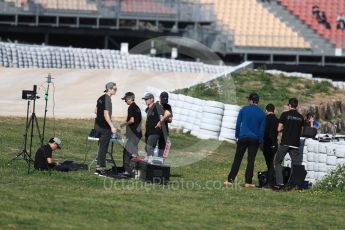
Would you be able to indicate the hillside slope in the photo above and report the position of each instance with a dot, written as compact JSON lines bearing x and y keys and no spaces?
{"x":320,"y":97}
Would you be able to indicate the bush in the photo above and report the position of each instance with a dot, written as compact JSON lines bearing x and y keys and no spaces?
{"x":334,"y":181}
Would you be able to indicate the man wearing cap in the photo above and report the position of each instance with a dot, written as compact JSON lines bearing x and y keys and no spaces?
{"x":44,"y":156}
{"x":133,"y":130}
{"x":250,"y":128}
{"x":167,"y":118}
{"x":154,"y":122}
{"x":104,"y":126}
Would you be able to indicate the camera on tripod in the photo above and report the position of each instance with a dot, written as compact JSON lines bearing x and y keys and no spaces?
{"x":30,"y":94}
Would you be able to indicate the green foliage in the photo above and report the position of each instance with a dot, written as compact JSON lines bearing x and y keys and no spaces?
{"x":333,"y":181}
{"x":271,"y":89}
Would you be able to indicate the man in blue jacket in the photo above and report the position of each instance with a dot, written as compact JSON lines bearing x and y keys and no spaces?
{"x":250,"y":129}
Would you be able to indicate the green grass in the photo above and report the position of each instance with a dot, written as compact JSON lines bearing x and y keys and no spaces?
{"x":271,"y":89}
{"x":194,"y":198}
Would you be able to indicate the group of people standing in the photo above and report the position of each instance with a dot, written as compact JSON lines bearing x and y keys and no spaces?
{"x":159,"y":114}
{"x":255,"y":129}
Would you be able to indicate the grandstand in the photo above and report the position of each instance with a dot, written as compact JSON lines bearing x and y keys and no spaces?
{"x":332,"y":8}
{"x":277,"y":33}
{"x":254,"y":26}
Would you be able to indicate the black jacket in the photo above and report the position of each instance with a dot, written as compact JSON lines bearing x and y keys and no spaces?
{"x":271,"y":130}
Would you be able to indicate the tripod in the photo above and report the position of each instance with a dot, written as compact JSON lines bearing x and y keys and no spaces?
{"x":29,"y":126}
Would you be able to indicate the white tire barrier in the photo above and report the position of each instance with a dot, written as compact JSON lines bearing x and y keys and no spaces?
{"x":181,"y":97}
{"x":184,"y":118}
{"x":322,"y":148}
{"x":180,"y":104}
{"x":340,"y":151}
{"x":228,"y":136}
{"x":225,"y":130}
{"x":212,"y":116}
{"x":205,"y":134}
{"x":172,"y":103}
{"x":185,"y":111}
{"x":310,"y":174}
{"x":322,"y":158}
{"x":210,"y":122}
{"x":332,"y":160}
{"x":188,"y":126}
{"x":214,"y":104}
{"x":340,"y":161}
{"x":330,"y":150}
{"x":213,"y":110}
{"x":173,"y":96}
{"x":231,"y":113}
{"x":310,"y":166}
{"x":189,"y":99}
{"x":330,"y":168}
{"x":228,"y":107}
{"x":310,"y":157}
{"x":210,"y":127}
{"x":311,"y":148}
{"x":176,"y":110}
{"x":227,"y":119}
{"x":229,"y":125}
{"x":322,"y":167}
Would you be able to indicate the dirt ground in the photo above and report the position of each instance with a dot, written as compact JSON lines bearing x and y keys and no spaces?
{"x":76,"y":91}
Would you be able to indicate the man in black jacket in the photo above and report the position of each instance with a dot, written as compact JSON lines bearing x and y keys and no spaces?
{"x":270,"y":145}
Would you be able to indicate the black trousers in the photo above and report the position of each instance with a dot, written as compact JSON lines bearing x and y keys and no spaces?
{"x":104,"y":139}
{"x":151,"y":141}
{"x":269,"y":154}
{"x":296,"y":159}
{"x":130,"y":149}
{"x":61,"y":168}
{"x":162,"y":143}
{"x":242,"y":145}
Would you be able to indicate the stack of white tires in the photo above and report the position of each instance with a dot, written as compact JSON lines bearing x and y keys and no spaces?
{"x":228,"y":127}
{"x":196,"y":115}
{"x":320,"y":158}
{"x":210,"y":120}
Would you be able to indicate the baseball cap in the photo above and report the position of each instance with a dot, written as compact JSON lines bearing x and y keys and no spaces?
{"x":109,"y":85}
{"x":57,"y":141}
{"x":254,"y":97}
{"x":148,"y":96}
{"x":128,"y":95}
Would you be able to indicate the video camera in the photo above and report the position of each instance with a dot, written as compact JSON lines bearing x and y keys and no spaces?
{"x":30,"y":94}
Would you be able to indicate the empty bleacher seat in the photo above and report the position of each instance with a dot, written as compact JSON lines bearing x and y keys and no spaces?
{"x":146,"y":6}
{"x":254,"y":26}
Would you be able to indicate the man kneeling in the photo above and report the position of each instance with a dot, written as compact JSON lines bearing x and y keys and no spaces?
{"x":44,"y":159}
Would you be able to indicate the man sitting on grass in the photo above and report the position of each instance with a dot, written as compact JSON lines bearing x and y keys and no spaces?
{"x":44,"y":159}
